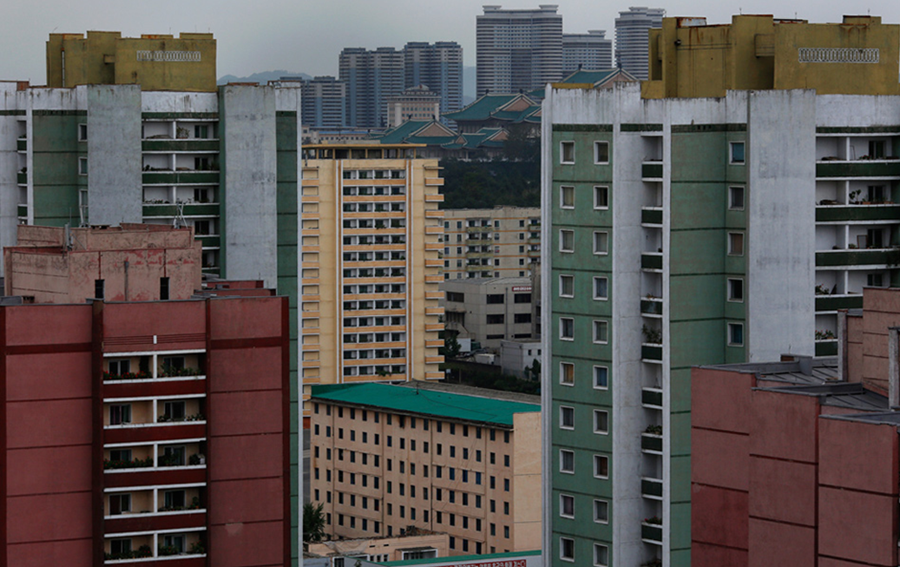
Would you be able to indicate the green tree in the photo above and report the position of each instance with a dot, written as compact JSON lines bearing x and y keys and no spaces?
{"x":313,"y":523}
{"x":451,"y":346}
{"x":533,"y":372}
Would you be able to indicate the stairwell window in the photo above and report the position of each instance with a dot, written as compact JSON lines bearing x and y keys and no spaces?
{"x":601,"y":152}
{"x":567,"y":152}
{"x":736,"y":152}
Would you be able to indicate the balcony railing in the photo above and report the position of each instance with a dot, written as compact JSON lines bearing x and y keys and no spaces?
{"x":651,"y":306}
{"x":874,"y":257}
{"x":848,"y":213}
{"x":826,"y":348}
{"x":652,"y":170}
{"x":651,"y":353}
{"x":651,"y":488}
{"x":835,"y":302}
{"x":651,"y":443}
{"x":652,"y":398}
{"x":651,"y":532}
{"x":860,"y":168}
{"x":652,"y":216}
{"x":651,"y":261}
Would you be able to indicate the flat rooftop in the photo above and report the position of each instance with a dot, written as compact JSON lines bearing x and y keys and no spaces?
{"x":426,"y":401}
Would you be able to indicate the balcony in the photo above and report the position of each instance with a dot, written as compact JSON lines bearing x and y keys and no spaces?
{"x":652,"y":443}
{"x":22,"y":178}
{"x":651,"y":261}
{"x":178,"y":177}
{"x":652,"y":307}
{"x":651,"y":531}
{"x":22,"y":145}
{"x":651,"y":353}
{"x":151,"y":209}
{"x":835,"y":302}
{"x":180,"y":145}
{"x":851,"y":213}
{"x":874,"y":257}
{"x":652,"y":171}
{"x":860,"y":168}
{"x":651,"y":488}
{"x":479,"y":229}
{"x":826,"y":348}
{"x":652,"y":216}
{"x":22,"y":211}
{"x":479,"y":255}
{"x":652,"y":398}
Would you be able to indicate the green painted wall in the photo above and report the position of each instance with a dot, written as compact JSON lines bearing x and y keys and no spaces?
{"x":56,"y":150}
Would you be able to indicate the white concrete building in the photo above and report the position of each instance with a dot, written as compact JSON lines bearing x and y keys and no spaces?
{"x":632,"y":49}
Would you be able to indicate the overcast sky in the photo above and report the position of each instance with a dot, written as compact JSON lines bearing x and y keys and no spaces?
{"x":307,"y":35}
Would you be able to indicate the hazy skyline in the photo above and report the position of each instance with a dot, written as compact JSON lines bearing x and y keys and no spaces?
{"x":306,"y":36}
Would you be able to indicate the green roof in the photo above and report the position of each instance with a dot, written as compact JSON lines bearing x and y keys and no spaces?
{"x":483,"y":108}
{"x":424,"y":402}
{"x":462,"y":558}
{"x":592,"y":77}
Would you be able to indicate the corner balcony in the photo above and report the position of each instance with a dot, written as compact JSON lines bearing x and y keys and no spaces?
{"x":652,"y":398}
{"x":651,"y":488}
{"x":652,"y":216}
{"x":652,"y":443}
{"x":652,"y":307}
{"x":652,"y":171}
{"x":652,"y":261}
{"x":651,"y":531}
{"x":651,"y":353}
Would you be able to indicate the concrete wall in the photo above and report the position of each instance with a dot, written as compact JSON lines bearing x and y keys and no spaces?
{"x":880,"y":312}
{"x":9,"y":163}
{"x":247,"y":132}
{"x":115,"y":193}
{"x":780,"y":242}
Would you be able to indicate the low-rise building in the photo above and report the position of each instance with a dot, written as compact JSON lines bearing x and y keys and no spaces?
{"x":491,"y":310}
{"x":414,"y":103}
{"x":387,"y":459}
{"x":418,"y":544}
{"x":517,"y":356}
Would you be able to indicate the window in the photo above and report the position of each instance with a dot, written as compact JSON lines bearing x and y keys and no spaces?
{"x":495,"y":319}
{"x":119,"y":414}
{"x":601,"y":421}
{"x":736,"y":198}
{"x":874,"y":280}
{"x":120,"y":546}
{"x":201,"y":131}
{"x":567,"y":197}
{"x":566,"y":328}
{"x":601,"y":555}
{"x":495,"y":299}
{"x":173,"y":411}
{"x":601,"y":332}
{"x":119,"y":504}
{"x":737,"y":152}
{"x":163,"y":289}
{"x":876,"y":149}
{"x":566,"y":506}
{"x":172,"y":457}
{"x":601,"y":377}
{"x":566,"y":378}
{"x":567,"y":152}
{"x":601,"y":288}
{"x":601,"y":511}
{"x":566,"y":417}
{"x":601,"y":197}
{"x":601,"y":152}
{"x":566,"y":286}
{"x":119,"y":367}
{"x":601,"y":243}
{"x":566,"y":461}
{"x":736,"y":243}
{"x":735,"y":289}
{"x":82,"y":166}
{"x":455,"y":297}
{"x":735,"y":334}
{"x":601,"y":466}
{"x":174,"y":499}
{"x":99,"y":289}
{"x":567,"y":549}
{"x":175,"y":542}
{"x":566,"y":240}
{"x":120,"y":455}
{"x":82,"y":132}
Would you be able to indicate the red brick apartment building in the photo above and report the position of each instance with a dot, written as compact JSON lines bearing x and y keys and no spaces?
{"x":145,"y":433}
{"x":798,"y":462}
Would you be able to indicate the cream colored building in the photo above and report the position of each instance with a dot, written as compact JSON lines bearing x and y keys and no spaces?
{"x":491,"y":243}
{"x":415,"y":103}
{"x":370,"y":243}
{"x":386,"y":458}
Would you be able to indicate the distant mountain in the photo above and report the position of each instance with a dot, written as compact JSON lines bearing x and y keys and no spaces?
{"x":262,"y":78}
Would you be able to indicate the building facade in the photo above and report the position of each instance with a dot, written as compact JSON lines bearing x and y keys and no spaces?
{"x":689,"y":58}
{"x":632,"y":37}
{"x":151,"y":428}
{"x":490,"y":310}
{"x":438,"y":66}
{"x":370,"y":267}
{"x":324,"y":103}
{"x":668,"y":218}
{"x":415,"y":103}
{"x":371,"y":77}
{"x":517,"y":50}
{"x":590,"y":51}
{"x":491,"y":243}
{"x":391,"y":458}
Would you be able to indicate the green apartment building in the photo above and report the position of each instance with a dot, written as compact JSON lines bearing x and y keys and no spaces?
{"x":225,"y":162}
{"x":684,"y":232}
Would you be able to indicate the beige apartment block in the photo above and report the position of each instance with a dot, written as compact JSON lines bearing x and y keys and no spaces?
{"x":387,"y":459}
{"x":370,"y":242}
{"x":491,"y":243}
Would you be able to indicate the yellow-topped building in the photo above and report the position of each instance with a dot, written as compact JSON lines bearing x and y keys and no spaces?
{"x":689,"y":58}
{"x":156,"y":62}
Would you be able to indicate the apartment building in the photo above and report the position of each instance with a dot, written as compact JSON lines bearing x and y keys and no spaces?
{"x":517,"y":50}
{"x":390,"y":458}
{"x":632,"y":34}
{"x":491,"y":243}
{"x":590,"y":51}
{"x":139,"y":455}
{"x":668,"y":219}
{"x":324,"y":103}
{"x":491,"y":310}
{"x":370,"y":267}
{"x":438,"y":66}
{"x":371,"y":77}
{"x":822,"y":489}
